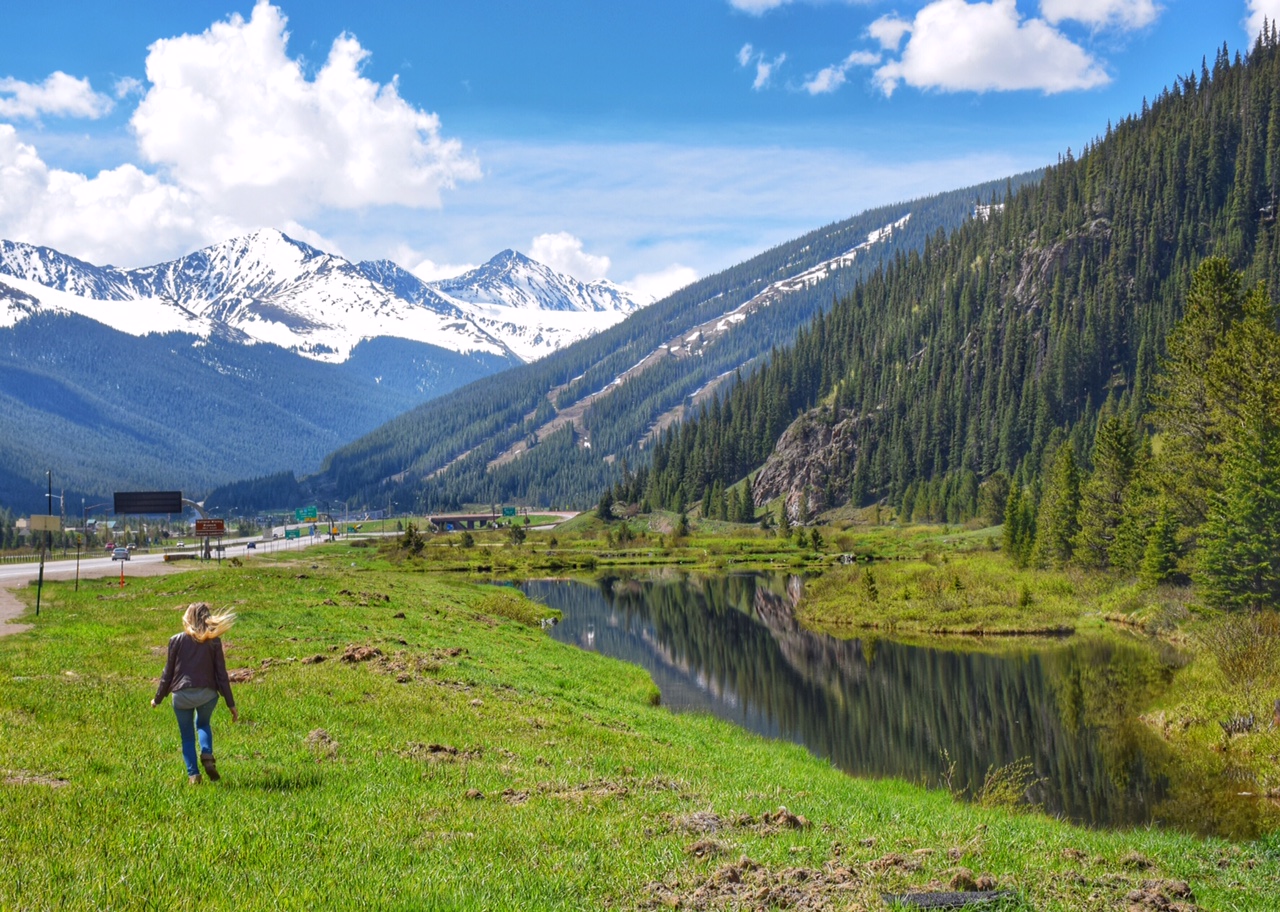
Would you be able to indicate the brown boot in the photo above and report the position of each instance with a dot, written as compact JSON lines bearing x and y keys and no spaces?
{"x":210,"y":767}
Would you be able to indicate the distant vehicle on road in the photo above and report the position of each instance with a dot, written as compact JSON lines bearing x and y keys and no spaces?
{"x":111,"y":546}
{"x":182,"y":544}
{"x":252,"y":546}
{"x":120,"y":554}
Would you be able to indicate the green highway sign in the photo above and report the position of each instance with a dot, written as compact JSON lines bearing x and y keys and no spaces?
{"x":508,"y":511}
{"x":305,"y":514}
{"x":293,"y":533}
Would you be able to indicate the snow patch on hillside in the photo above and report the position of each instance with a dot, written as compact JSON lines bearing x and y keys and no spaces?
{"x":136,"y":317}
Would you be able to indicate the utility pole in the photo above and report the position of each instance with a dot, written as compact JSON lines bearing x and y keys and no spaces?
{"x":48,"y":540}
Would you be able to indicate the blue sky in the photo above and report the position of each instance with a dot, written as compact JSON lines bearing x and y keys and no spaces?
{"x":644,"y":142}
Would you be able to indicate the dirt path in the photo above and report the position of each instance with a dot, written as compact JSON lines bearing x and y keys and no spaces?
{"x":12,"y":607}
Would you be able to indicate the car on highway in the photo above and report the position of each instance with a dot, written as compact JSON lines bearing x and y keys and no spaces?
{"x":120,"y":554}
{"x":182,"y":544}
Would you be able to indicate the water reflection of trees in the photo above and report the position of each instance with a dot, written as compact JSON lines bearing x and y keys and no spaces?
{"x":731,"y":646}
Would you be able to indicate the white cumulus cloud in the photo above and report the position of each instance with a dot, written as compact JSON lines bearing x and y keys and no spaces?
{"x":1260,"y":11}
{"x":657,"y":285}
{"x":764,"y":67}
{"x":956,"y":46}
{"x":828,"y":79}
{"x":59,"y":95}
{"x":238,"y":136}
{"x":1101,"y":13}
{"x":230,"y":115}
{"x":431,"y":271}
{"x":757,"y":7}
{"x":889,"y":31}
{"x":128,"y":85}
{"x":113,"y":217}
{"x":563,"y":252}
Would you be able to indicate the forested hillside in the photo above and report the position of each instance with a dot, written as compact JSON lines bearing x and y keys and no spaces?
{"x":1013,"y":351}
{"x":106,"y":411}
{"x":563,"y":424}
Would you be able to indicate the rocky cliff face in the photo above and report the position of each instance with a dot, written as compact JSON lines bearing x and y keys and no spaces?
{"x":815,"y":454}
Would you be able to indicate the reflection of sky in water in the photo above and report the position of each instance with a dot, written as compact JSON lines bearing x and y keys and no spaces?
{"x":730,"y":646}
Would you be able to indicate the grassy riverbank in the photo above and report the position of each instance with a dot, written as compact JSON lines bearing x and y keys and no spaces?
{"x":908,"y":582}
{"x":473,"y":763}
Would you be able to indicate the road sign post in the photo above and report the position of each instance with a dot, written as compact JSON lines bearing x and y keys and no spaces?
{"x":211,"y":528}
{"x":47,"y":524}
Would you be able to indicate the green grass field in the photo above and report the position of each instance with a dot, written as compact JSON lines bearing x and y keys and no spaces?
{"x":473,"y":763}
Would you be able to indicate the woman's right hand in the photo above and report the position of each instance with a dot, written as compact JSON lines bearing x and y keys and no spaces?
{"x":235,"y":714}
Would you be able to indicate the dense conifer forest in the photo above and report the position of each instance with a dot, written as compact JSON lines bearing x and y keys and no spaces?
{"x":1096,"y":363}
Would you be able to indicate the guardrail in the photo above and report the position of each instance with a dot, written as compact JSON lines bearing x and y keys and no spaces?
{"x":35,"y":558}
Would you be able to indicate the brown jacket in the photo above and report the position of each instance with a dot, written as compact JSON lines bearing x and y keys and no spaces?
{"x":195,"y":664}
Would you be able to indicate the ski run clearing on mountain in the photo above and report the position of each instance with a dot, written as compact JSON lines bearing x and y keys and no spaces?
{"x":691,"y":344}
{"x":269,"y":288}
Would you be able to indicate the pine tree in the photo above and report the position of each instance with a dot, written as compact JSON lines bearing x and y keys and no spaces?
{"x":1240,"y":560}
{"x":1019,"y":525}
{"x":1057,"y":519}
{"x":747,"y":505}
{"x":1183,"y":408}
{"x":1160,"y":559}
{"x":1102,"y":497}
{"x":993,"y":498}
{"x":604,"y":509}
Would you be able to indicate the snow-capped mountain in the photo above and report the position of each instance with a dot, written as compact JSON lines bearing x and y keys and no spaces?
{"x":269,"y":288}
{"x":534,"y":309}
{"x":513,"y":280}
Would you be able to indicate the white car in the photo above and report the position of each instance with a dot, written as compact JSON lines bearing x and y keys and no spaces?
{"x":120,"y":554}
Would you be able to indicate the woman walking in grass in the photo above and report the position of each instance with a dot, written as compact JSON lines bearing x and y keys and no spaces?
{"x":196,"y":673}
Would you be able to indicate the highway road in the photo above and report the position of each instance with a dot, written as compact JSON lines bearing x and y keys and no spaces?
{"x":96,"y":564}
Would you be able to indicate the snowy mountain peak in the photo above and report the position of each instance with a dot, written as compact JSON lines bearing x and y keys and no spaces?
{"x":269,"y":287}
{"x":52,"y":269}
{"x":511,"y":279}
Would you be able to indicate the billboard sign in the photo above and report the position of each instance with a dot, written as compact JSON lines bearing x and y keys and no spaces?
{"x":148,"y":502}
{"x":209,"y":527}
{"x":38,"y":523}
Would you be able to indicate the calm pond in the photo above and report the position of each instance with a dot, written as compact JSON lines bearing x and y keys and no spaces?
{"x":730,"y":645}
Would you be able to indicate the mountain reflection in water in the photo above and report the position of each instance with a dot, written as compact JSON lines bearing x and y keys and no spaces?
{"x":730,"y":646}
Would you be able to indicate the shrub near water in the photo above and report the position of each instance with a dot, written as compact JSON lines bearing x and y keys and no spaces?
{"x":462,"y":759}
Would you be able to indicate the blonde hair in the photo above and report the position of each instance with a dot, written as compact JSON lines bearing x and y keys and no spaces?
{"x":202,"y":625}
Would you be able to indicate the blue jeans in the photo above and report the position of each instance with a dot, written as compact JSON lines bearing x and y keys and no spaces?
{"x":190,"y":723}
